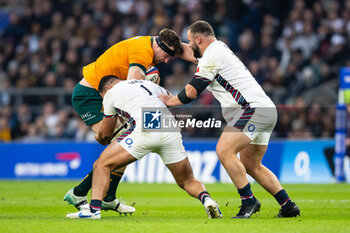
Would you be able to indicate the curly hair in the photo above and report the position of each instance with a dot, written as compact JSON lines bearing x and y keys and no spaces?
{"x":170,"y":38}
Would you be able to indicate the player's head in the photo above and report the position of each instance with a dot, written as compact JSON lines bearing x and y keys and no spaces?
{"x":197,"y":32}
{"x":106,"y":83}
{"x":167,"y":44}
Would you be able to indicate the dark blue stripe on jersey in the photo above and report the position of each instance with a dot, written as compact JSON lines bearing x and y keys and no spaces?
{"x":131,"y":121}
{"x":234,"y":92}
{"x":248,"y":111}
{"x":243,"y":120}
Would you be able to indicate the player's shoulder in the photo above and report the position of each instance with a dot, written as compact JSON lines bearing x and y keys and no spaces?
{"x":212,"y":50}
{"x":136,"y":41}
{"x":210,"y":57}
{"x":108,"y":96}
{"x":217,"y":51}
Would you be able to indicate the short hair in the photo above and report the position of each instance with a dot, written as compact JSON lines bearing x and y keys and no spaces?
{"x":171,"y":38}
{"x":106,"y":80}
{"x":201,"y":27}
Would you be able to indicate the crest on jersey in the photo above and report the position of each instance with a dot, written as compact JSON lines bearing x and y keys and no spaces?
{"x":152,"y":119}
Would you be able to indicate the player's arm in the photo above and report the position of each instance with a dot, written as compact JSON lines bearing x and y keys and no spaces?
{"x":187,"y":54}
{"x":136,"y":72}
{"x":151,"y":74}
{"x":106,"y":130}
{"x":191,"y":91}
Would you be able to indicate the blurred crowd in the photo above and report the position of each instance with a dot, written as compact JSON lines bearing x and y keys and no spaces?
{"x":293,"y":48}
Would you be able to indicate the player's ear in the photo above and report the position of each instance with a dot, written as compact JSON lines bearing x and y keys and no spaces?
{"x":102,"y":94}
{"x":198,"y":39}
{"x":109,"y":86}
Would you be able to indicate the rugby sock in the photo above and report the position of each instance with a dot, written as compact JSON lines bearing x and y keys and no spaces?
{"x":95,"y":205}
{"x":282,"y":197}
{"x":203,"y":196}
{"x":113,"y":185}
{"x":247,"y":196}
{"x":83,"y":188}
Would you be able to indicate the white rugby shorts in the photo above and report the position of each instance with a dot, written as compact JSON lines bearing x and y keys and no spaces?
{"x":167,"y":144}
{"x":257,"y":123}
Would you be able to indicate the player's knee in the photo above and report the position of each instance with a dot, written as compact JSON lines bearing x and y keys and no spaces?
{"x":222,"y":152}
{"x":98,"y":164}
{"x":251,"y":167}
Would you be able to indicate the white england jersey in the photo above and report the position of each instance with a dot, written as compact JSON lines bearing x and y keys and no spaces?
{"x":127,"y":98}
{"x":230,"y":81}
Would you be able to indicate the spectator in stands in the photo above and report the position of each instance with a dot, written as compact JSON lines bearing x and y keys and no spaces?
{"x":33,"y":135}
{"x":50,"y":118}
{"x":5,"y":130}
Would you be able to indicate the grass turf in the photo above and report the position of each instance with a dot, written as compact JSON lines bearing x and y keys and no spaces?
{"x":37,"y":206}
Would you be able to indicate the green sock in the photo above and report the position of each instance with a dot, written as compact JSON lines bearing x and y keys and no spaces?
{"x":113,"y":185}
{"x":83,"y":188}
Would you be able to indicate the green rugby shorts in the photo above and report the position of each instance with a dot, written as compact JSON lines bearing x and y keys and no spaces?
{"x":87,"y":102}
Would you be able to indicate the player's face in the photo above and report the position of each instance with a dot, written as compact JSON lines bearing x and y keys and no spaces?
{"x":161,"y":56}
{"x":192,"y":42}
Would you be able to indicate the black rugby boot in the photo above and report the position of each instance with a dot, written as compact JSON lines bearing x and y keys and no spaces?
{"x":247,"y":210}
{"x":290,"y":209}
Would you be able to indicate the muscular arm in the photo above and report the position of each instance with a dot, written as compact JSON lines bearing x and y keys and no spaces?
{"x":135,"y":72}
{"x":106,"y":130}
{"x":187,"y":54}
{"x":175,"y":101}
{"x":188,"y":94}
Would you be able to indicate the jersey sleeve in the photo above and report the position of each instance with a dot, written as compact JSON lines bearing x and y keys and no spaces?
{"x":162,"y":90}
{"x":108,"y":106}
{"x":207,"y":69}
{"x":141,"y":56}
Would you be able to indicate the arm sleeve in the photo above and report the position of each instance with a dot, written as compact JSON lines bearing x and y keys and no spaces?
{"x":162,"y":90}
{"x":207,"y":68}
{"x":199,"y":84}
{"x":141,"y":57}
{"x":108,"y":106}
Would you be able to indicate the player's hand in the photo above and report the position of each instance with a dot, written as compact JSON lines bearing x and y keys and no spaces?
{"x":169,"y":93}
{"x":97,"y":138}
{"x":101,"y":140}
{"x":165,"y":98}
{"x":158,"y":81}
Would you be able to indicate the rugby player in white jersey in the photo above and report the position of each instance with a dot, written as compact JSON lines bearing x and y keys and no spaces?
{"x":249,"y":112}
{"x":127,"y":99}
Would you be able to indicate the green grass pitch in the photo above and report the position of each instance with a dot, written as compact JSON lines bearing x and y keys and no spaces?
{"x":38,"y":206}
